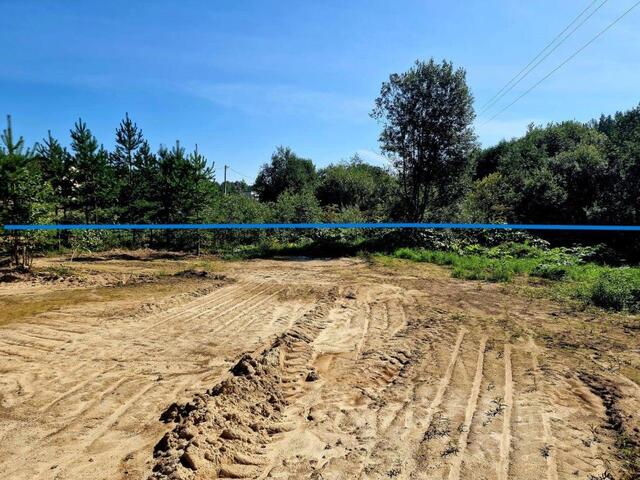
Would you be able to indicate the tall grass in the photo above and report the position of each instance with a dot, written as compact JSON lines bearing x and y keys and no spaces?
{"x":614,"y":288}
{"x":617,"y":289}
{"x":471,"y":267}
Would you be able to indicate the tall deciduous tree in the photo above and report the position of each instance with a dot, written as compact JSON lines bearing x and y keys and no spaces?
{"x":620,"y":201}
{"x":356,"y":184}
{"x":427,"y":114}
{"x":287,"y":171}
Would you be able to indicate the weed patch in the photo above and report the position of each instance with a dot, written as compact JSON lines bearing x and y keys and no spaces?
{"x":617,"y":289}
{"x":567,"y":273}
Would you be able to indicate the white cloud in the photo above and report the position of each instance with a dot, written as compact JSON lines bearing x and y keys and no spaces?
{"x":374,"y":158}
{"x":493,"y":131}
{"x":283,"y":99}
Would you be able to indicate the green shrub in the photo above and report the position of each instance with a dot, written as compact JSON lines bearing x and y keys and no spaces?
{"x":480,"y":269}
{"x":407,"y":254}
{"x":550,"y":271}
{"x":617,"y":290}
{"x":468,"y":267}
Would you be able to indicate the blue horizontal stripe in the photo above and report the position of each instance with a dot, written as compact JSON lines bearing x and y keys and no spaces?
{"x":290,"y":226}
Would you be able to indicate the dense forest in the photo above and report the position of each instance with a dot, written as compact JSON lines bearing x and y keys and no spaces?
{"x":568,"y":172}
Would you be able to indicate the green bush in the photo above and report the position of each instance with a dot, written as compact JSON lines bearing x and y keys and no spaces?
{"x":550,"y":271}
{"x":617,"y":290}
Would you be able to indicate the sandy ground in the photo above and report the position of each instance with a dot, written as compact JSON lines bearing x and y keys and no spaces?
{"x":308,"y":369}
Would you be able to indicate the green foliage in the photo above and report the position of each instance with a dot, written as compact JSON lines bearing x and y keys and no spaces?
{"x":238,"y":188}
{"x":88,"y":241}
{"x":300,"y":207}
{"x":93,"y":179}
{"x":144,"y":203}
{"x":468,"y":267}
{"x":23,"y":194}
{"x":56,"y":167}
{"x":24,"y":197}
{"x":123,"y":160}
{"x":617,"y":289}
{"x":287,"y":171}
{"x":569,"y":269}
{"x":619,"y":202}
{"x":332,"y":214}
{"x":355,"y":184}
{"x":185,"y":184}
{"x":567,"y":172}
{"x":550,"y":271}
{"x":553,"y":174}
{"x":490,"y":200}
{"x":238,"y":208}
{"x":427,"y":114}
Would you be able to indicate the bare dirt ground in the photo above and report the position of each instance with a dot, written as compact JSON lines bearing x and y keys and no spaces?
{"x":307,"y":370}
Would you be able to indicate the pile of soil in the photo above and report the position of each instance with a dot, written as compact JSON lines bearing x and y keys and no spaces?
{"x":224,"y":432}
{"x":10,"y":277}
{"x":198,"y":273}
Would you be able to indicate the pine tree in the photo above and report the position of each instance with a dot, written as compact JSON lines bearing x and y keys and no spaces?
{"x":92,"y":174}
{"x":23,"y":193}
{"x":145,"y":195}
{"x":201,"y":183}
{"x":56,"y":166}
{"x":20,"y":179}
{"x":186,"y":183}
{"x":129,"y":140}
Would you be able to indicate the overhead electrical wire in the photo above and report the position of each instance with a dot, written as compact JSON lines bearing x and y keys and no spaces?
{"x":238,"y":173}
{"x":565,"y":61}
{"x":522,"y":74}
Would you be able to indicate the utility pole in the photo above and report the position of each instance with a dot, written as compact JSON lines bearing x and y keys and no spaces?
{"x":225,"y":178}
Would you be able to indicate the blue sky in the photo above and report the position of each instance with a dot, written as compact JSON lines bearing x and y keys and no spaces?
{"x":239,"y":78}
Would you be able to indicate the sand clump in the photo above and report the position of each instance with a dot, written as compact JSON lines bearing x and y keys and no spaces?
{"x":225,"y":431}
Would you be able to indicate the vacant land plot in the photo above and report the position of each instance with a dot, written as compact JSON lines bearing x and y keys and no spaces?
{"x":145,"y":368}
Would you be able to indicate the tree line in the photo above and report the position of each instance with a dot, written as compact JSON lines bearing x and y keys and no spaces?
{"x":568,"y":172}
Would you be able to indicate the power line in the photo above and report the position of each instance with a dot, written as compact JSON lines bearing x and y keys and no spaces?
{"x":239,"y":173}
{"x":567,"y":60}
{"x":510,"y":85}
{"x":539,"y":53}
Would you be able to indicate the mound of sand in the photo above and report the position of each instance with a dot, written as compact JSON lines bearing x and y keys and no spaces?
{"x":224,"y":432}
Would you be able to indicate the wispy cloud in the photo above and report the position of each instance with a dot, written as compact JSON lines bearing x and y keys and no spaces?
{"x":493,"y":131}
{"x":372,"y":157}
{"x":285,"y":100}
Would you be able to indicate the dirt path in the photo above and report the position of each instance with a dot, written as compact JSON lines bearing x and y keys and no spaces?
{"x":349,"y":371}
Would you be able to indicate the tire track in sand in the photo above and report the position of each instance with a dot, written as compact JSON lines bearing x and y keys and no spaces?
{"x":106,"y":425}
{"x":472,"y":405}
{"x":408,"y":407}
{"x":548,"y":439}
{"x":505,"y":440}
{"x":445,"y":381}
{"x":251,"y":320}
{"x":76,"y":388}
{"x":234,"y":305}
{"x":179,"y":310}
{"x":220,"y":328}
